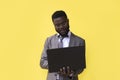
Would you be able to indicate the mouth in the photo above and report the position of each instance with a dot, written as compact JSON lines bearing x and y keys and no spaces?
{"x":62,"y":31}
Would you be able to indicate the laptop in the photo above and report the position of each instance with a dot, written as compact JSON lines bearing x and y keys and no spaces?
{"x":74,"y":57}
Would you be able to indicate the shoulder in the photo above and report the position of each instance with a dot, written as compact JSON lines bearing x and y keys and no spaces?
{"x":52,"y":37}
{"x":77,"y":40}
{"x":77,"y":37}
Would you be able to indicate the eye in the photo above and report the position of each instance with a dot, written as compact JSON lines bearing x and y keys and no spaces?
{"x":57,"y":25}
{"x":64,"y":23}
{"x":61,"y":24}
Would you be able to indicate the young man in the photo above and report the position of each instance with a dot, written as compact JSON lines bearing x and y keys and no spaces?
{"x":68,"y":39}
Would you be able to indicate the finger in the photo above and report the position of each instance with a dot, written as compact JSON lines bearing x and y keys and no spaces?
{"x":60,"y":72}
{"x":72,"y":72}
{"x":64,"y":70}
{"x":68,"y":70}
{"x":60,"y":69}
{"x":71,"y":75}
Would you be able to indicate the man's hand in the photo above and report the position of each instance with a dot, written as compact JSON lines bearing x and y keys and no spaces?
{"x":67,"y":72}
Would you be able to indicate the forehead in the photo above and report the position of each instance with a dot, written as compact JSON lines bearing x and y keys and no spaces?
{"x":59,"y":20}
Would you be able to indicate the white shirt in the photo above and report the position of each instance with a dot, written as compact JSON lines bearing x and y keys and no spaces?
{"x":66,"y":40}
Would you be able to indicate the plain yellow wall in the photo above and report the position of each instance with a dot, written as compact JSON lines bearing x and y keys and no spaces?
{"x":25,"y":24}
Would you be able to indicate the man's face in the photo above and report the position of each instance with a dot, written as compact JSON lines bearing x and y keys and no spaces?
{"x":61,"y":25}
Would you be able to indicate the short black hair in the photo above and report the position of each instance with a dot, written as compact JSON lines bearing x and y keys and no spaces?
{"x":59,"y":13}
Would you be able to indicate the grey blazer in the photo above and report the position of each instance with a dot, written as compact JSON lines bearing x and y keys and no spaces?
{"x":52,"y":42}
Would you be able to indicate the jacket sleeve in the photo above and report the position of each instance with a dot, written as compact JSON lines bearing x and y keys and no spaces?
{"x":81,"y":70}
{"x":43,"y":60}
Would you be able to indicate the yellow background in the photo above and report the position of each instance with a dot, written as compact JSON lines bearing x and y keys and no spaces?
{"x":25,"y":24}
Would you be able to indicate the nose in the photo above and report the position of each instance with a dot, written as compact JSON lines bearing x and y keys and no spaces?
{"x":61,"y":26}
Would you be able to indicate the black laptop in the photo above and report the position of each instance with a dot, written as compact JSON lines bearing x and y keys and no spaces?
{"x":74,"y":57}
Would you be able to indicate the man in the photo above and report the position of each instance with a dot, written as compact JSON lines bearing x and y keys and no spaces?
{"x":68,"y":39}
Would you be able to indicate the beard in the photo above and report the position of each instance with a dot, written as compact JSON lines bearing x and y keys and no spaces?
{"x":64,"y":33}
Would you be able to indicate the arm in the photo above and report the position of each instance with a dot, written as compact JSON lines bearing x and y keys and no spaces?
{"x":44,"y":61}
{"x":81,"y":70}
